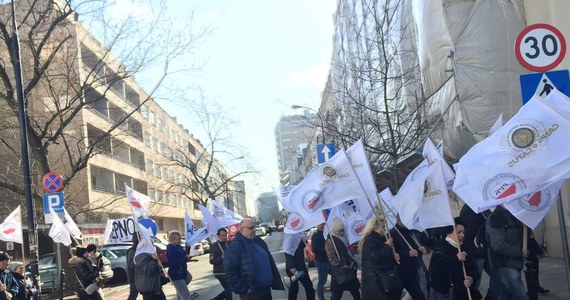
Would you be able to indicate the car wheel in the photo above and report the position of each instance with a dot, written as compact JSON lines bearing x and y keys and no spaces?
{"x":119,"y":276}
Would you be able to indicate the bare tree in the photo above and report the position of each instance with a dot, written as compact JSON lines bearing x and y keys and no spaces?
{"x":217,"y":161}
{"x":70,"y":70}
{"x":375,"y":87}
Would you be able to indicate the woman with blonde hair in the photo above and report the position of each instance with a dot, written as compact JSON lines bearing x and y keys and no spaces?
{"x":377,"y":256}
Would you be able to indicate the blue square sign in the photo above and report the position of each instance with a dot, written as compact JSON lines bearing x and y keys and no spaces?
{"x":542,"y":83}
{"x":325,"y":152}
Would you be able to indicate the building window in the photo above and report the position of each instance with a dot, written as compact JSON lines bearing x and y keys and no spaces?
{"x":144,"y":111}
{"x":149,"y":166}
{"x":152,"y":118}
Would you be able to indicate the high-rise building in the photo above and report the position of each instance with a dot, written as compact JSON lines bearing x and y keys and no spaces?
{"x":267,"y":207}
{"x":291,"y":133}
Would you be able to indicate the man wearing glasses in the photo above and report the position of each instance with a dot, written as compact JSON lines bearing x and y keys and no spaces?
{"x":249,"y":266}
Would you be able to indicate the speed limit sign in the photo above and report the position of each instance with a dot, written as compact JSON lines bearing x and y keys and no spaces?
{"x":540,"y":47}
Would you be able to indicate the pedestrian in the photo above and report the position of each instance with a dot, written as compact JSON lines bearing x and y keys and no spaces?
{"x":340,"y":258}
{"x":295,"y":266}
{"x":506,"y":253}
{"x":217,"y":251}
{"x":87,"y":275}
{"x":406,"y":244}
{"x":249,"y":266}
{"x":8,"y":285}
{"x":377,"y":256}
{"x":476,"y":247}
{"x":177,"y":266}
{"x":26,"y":288}
{"x":447,"y":266}
{"x":92,"y":254}
{"x":534,"y":251}
{"x":321,"y":259}
{"x":148,"y":275}
{"x":133,"y":293}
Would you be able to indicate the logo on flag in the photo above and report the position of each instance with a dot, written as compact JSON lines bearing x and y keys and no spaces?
{"x":534,"y":201}
{"x":501,"y":186}
{"x":9,"y":229}
{"x":522,"y":137}
{"x":357,"y":227}
{"x":329,"y":171}
{"x":312,"y":200}
{"x":295,"y":221}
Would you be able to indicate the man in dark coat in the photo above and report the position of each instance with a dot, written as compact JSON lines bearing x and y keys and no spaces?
{"x":249,"y":266}
{"x":506,"y":253}
{"x":295,"y":264}
{"x":9,"y":284}
{"x":217,"y":251}
{"x":409,"y":259}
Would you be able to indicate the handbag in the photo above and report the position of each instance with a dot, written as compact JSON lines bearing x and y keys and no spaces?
{"x":390,"y":280}
{"x":92,"y":288}
{"x":188,"y":277}
{"x":344,"y":274}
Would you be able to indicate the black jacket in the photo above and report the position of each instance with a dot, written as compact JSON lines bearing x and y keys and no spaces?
{"x":472,"y":221}
{"x":408,"y":268}
{"x":84,"y":270}
{"x":318,"y":245}
{"x":216,"y":258}
{"x":504,"y":234}
{"x":446,"y":271}
{"x":296,"y":261}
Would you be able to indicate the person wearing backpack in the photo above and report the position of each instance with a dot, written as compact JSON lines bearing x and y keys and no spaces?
{"x":505,"y":250}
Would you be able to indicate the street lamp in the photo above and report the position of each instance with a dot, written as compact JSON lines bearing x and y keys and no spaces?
{"x":318,"y":115}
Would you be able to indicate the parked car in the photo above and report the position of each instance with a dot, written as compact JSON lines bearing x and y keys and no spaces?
{"x":117,"y":254}
{"x":309,"y":254}
{"x":206,"y":246}
{"x":260,"y":231}
{"x":197,"y":249}
{"x":49,"y":277}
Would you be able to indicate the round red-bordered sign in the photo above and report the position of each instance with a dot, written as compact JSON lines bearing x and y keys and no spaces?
{"x":52,"y":182}
{"x":540,"y":47}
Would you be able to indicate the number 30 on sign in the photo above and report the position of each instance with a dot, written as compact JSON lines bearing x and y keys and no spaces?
{"x":540,"y":47}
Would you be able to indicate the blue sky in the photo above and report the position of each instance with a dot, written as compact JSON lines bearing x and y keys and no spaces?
{"x":262,"y":57}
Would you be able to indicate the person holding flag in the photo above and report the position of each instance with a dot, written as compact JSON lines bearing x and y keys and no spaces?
{"x":217,"y":250}
{"x":340,"y":258}
{"x":321,"y":259}
{"x":448,"y":267}
{"x":8,"y":286}
{"x":86,"y":274}
{"x":377,"y":256}
{"x":177,"y":266}
{"x":148,"y":269}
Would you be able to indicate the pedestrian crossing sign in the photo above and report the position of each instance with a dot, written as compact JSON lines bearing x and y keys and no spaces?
{"x":542,"y":83}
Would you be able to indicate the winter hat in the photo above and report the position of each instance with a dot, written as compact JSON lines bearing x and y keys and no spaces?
{"x":80,"y":251}
{"x":14,"y":265}
{"x":4,"y":256}
{"x":91,"y":248}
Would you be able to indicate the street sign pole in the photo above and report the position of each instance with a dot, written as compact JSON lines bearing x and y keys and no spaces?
{"x":24,"y":144}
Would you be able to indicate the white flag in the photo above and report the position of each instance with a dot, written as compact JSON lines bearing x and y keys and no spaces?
{"x":210,"y":223}
{"x":291,"y":242}
{"x":524,"y":156}
{"x":497,"y":125}
{"x":390,"y":210}
{"x":71,"y":226}
{"x":139,"y":203}
{"x":225,"y":216}
{"x":532,"y":208}
{"x":58,"y":232}
{"x":334,"y":214}
{"x":326,"y":186}
{"x":408,"y":200}
{"x":11,"y":228}
{"x":297,"y":222}
{"x":145,"y":244}
{"x":359,"y":160}
{"x":435,"y":210}
{"x":282,"y":193}
{"x":193,"y":233}
{"x":432,"y":155}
